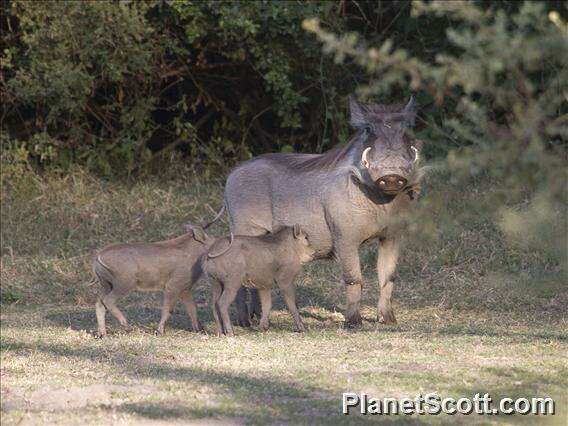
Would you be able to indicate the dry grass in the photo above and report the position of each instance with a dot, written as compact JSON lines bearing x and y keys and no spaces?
{"x":474,"y":316}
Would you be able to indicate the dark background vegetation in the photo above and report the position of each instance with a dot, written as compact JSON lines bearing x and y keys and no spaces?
{"x":118,"y":86}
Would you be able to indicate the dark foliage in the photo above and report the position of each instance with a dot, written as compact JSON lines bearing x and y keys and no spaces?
{"x":119,"y":86}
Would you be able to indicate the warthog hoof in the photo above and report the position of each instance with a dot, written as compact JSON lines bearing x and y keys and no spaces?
{"x":354,"y":321}
{"x":300,"y":329}
{"x":198,"y":328}
{"x":264,"y":325}
{"x":386,"y":316}
{"x":158,"y":332}
{"x":99,"y":335}
{"x":243,"y":321}
{"x":255,"y":311}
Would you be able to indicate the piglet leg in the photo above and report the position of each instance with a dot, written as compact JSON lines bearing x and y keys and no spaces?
{"x":187,"y":299}
{"x":289,"y":292}
{"x":265,"y":296}
{"x":168,"y":303}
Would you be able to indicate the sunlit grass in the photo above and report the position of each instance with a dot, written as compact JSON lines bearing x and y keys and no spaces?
{"x":470,"y":320}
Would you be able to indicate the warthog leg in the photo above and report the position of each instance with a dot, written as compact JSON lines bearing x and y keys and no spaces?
{"x":244,"y":314}
{"x":352,"y":314}
{"x":348,"y":254}
{"x":168,"y":303}
{"x":101,"y":313}
{"x":227,"y":297}
{"x":109,"y":302}
{"x":242,"y":308}
{"x":255,"y":307}
{"x":100,"y":308}
{"x":289,"y":293}
{"x":187,"y":299}
{"x":242,"y":225}
{"x":266,"y":301}
{"x":386,"y":265}
{"x":216,"y":291}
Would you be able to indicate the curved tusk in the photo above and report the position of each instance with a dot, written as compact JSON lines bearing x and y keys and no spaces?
{"x":416,"y":153}
{"x":364,"y":161}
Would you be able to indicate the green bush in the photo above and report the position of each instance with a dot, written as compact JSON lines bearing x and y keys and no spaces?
{"x":120,"y":86}
{"x":106,"y":84}
{"x":80,"y":83}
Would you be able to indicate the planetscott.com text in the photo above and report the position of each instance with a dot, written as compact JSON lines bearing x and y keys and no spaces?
{"x":434,"y":404}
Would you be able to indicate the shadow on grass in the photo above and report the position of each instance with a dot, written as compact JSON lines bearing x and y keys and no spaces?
{"x":252,"y":398}
{"x":315,"y":297}
{"x":523,"y":383}
{"x":138,"y":316}
{"x":459,"y":331}
{"x":243,"y":398}
{"x":499,"y":330}
{"x":144,"y":316}
{"x":141,"y":310}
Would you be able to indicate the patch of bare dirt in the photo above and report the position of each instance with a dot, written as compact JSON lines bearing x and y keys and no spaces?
{"x":73,"y":397}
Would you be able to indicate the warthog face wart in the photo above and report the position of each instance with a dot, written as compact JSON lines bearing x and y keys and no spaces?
{"x":389,"y":159}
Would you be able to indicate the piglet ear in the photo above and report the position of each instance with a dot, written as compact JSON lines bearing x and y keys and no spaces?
{"x":411,"y":104}
{"x":297,"y":231}
{"x":199,"y":234}
{"x":358,"y":113}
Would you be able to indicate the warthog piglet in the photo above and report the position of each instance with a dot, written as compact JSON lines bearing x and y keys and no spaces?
{"x":171,"y":266}
{"x":256,"y":262}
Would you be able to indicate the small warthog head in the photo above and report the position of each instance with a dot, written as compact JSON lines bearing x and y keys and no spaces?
{"x":305,"y":250}
{"x":389,"y":156}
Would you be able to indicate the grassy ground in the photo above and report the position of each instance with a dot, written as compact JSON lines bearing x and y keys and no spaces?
{"x":474,"y":316}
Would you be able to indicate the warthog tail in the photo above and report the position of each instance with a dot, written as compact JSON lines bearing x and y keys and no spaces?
{"x":222,"y":252}
{"x":216,"y":218}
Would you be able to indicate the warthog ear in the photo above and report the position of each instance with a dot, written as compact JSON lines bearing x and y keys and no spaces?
{"x":199,"y":234}
{"x":409,"y":112}
{"x":358,"y":113}
{"x":297,"y":231}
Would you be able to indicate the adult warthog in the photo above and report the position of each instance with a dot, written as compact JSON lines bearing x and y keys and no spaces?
{"x":341,"y":198}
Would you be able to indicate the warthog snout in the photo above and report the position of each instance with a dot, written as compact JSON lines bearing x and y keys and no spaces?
{"x":391,"y":183}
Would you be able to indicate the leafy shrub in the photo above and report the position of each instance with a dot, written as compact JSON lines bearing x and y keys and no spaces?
{"x":80,"y":83}
{"x":107,"y":83}
{"x":103,"y":82}
{"x":119,"y":86}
